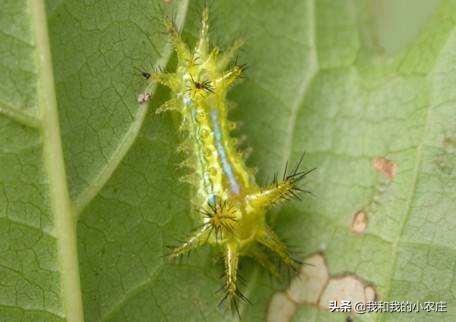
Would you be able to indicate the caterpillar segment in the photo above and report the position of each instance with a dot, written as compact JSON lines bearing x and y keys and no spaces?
{"x":232,"y":207}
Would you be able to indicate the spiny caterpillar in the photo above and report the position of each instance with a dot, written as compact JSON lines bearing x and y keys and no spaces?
{"x":232,"y":207}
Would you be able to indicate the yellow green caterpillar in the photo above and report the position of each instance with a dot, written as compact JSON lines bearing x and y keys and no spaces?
{"x":232,"y":207}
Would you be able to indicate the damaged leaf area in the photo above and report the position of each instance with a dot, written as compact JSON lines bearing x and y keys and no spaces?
{"x":313,"y":286}
{"x":90,"y":195}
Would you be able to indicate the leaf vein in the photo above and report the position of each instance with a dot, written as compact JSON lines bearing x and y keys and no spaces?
{"x":313,"y":63}
{"x":84,"y":198}
{"x":18,"y":115}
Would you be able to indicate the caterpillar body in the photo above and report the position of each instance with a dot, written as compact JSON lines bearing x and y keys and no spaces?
{"x":232,"y":207}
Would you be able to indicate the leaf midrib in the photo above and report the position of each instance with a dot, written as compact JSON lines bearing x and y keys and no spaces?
{"x":60,"y":203}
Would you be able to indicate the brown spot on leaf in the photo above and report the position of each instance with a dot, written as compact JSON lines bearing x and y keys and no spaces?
{"x":359,"y":222}
{"x":449,"y":142}
{"x":385,"y":167}
{"x":444,"y":163}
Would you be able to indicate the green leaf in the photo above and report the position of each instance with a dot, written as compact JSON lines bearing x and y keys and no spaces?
{"x":87,"y":208}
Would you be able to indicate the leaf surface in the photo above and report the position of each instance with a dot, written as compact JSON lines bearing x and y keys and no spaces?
{"x":373,"y":108}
